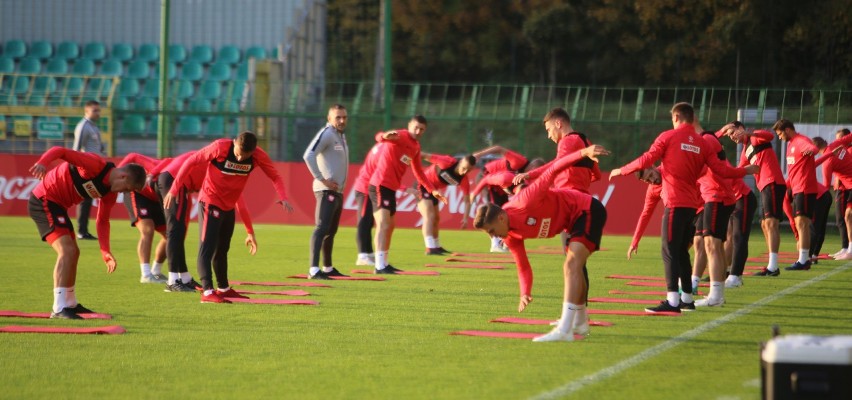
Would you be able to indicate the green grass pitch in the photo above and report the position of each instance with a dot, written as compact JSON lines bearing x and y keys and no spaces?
{"x":390,"y":339}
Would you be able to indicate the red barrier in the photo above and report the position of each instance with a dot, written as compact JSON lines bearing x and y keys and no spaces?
{"x":623,"y":198}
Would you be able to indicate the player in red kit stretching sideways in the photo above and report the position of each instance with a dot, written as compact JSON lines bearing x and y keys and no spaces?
{"x":82,"y":177}
{"x":146,"y":215}
{"x":444,"y":171}
{"x":229,"y":163}
{"x":539,"y":211}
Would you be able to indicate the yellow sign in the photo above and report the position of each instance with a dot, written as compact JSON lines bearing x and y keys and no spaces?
{"x":23,"y":127}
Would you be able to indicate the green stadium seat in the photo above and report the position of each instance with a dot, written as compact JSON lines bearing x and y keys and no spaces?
{"x":211,"y":90}
{"x":37,"y":101}
{"x":219,"y":72}
{"x":15,"y":49}
{"x":67,"y":51}
{"x":83,"y":67}
{"x":151,"y":89}
{"x":229,"y":54}
{"x":8,"y":99}
{"x":138,"y":70}
{"x":256,"y":52}
{"x":145,"y":104}
{"x":273,"y":53}
{"x":182,"y":90}
{"x":122,"y":52}
{"x":111,"y":68}
{"x":177,"y":53}
{"x":20,"y":85}
{"x":44,"y":85}
{"x":232,"y":105}
{"x":120,"y":103}
{"x":7,"y":65}
{"x":98,"y":87}
{"x":242,"y":71}
{"x":41,"y":50}
{"x":192,"y":71}
{"x":134,"y":124}
{"x":95,"y":51}
{"x":74,"y":86}
{"x":175,"y":104}
{"x":128,"y":88}
{"x":149,"y":53}
{"x":201,"y":105}
{"x":202,"y":54}
{"x":172,"y":71}
{"x":215,"y":127}
{"x":60,"y":101}
{"x":233,"y":89}
{"x":29,"y":65}
{"x":57,"y":66}
{"x":189,"y":126}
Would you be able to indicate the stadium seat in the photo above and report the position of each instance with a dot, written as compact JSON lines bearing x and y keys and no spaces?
{"x":8,"y":99}
{"x":189,"y":126}
{"x":122,"y":52}
{"x":232,"y":105}
{"x":211,"y":90}
{"x":175,"y":104}
{"x":242,"y":71}
{"x":7,"y":65}
{"x":120,"y":103}
{"x":15,"y":49}
{"x":67,"y":51}
{"x":149,"y":53}
{"x":256,"y":52}
{"x":151,"y":89}
{"x":172,"y":71}
{"x":234,"y":89}
{"x":274,"y":53}
{"x":215,"y":127}
{"x":98,"y":87}
{"x":133,"y":124}
{"x":177,"y":53}
{"x":202,"y":54}
{"x":145,"y":104}
{"x":95,"y":51}
{"x":60,"y":101}
{"x":73,"y":86}
{"x":138,"y":70}
{"x":219,"y":72}
{"x":37,"y":101}
{"x":111,"y":68}
{"x":128,"y":87}
{"x":201,"y":105}
{"x":182,"y":89}
{"x":20,"y":85}
{"x":44,"y":85}
{"x":29,"y":65}
{"x":192,"y":71}
{"x":229,"y":54}
{"x":83,"y":67}
{"x":41,"y":50}
{"x":57,"y":66}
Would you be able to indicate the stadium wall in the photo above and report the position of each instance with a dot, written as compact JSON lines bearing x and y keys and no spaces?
{"x":622,"y":198}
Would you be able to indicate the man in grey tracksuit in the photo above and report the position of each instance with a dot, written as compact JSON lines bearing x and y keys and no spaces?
{"x":87,"y":138}
{"x":327,"y":157}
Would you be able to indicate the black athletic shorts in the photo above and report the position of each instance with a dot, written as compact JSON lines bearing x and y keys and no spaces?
{"x":847,"y":197}
{"x":426,"y":195}
{"x":383,"y":198}
{"x":140,"y":207}
{"x":804,"y":204}
{"x":772,"y":200}
{"x":49,"y":217}
{"x":698,"y":222}
{"x":588,"y":229}
{"x":714,"y":220}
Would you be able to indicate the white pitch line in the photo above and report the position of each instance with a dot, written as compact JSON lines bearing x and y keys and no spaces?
{"x":652,"y":352}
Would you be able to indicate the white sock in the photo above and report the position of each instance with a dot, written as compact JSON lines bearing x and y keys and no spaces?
{"x":437,"y":242}
{"x":174,"y":277}
{"x":803,"y":255}
{"x":673,"y":298}
{"x":717,"y":290}
{"x":327,"y":269}
{"x":157,"y":268}
{"x":849,"y":248}
{"x":313,"y":270}
{"x":185,"y":277}
{"x":146,"y":269}
{"x":59,"y":299}
{"x":773,"y":262}
{"x":223,"y":290}
{"x":695,"y":281}
{"x":70,"y":297}
{"x":686,"y":297}
{"x":430,"y":242}
{"x":581,"y":317}
{"x":569,"y":312}
{"x":496,"y":242}
{"x":208,"y":292}
{"x":381,"y":259}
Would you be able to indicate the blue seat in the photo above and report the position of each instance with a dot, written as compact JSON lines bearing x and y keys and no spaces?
{"x":177,"y":53}
{"x":67,"y":51}
{"x":20,"y":85}
{"x":95,"y":51}
{"x":182,"y":89}
{"x":229,"y":54}
{"x":74,"y":86}
{"x":145,"y":104}
{"x":201,"y":105}
{"x":41,"y":50}
{"x":128,"y":88}
{"x":120,"y":103}
{"x":215,"y":127}
{"x":122,"y":52}
{"x":60,"y":101}
{"x":211,"y":90}
{"x":57,"y":66}
{"x":83,"y":67}
{"x":189,"y":126}
{"x":242,"y":71}
{"x":134,"y":124}
{"x":256,"y":52}
{"x":44,"y":85}
{"x":29,"y":66}
{"x":192,"y":71}
{"x":202,"y":54}
{"x":219,"y":72}
{"x":171,"y":74}
{"x":97,"y":88}
{"x":149,"y":53}
{"x":7,"y":65}
{"x":15,"y":49}
{"x":111,"y":68}
{"x":138,"y":70}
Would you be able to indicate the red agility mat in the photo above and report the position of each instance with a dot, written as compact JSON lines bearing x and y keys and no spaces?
{"x":478,"y":260}
{"x":766,"y":259}
{"x":506,"y":335}
{"x":485,"y":255}
{"x":645,"y":292}
{"x":296,"y":284}
{"x":635,"y":313}
{"x":19,"y":314}
{"x":795,"y":255}
{"x":276,"y":293}
{"x":657,"y":284}
{"x":370,"y":272}
{"x":343,"y":278}
{"x":527,"y":321}
{"x":274,"y":301}
{"x":109,"y":330}
{"x":637,"y":277}
{"x":473,"y":266}
{"x":621,"y":300}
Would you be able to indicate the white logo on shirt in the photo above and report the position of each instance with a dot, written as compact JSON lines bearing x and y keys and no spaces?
{"x":405,"y":159}
{"x":91,"y":189}
{"x":691,"y":148}
{"x":449,"y":178}
{"x":791,"y":160}
{"x":61,"y":220}
{"x":338,"y":147}
{"x":237,"y":167}
{"x":531,"y":221}
{"x":143,"y":211}
{"x":545,"y":228}
{"x":841,"y":154}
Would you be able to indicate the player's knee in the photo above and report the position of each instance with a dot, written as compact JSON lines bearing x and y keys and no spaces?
{"x":69,"y":251}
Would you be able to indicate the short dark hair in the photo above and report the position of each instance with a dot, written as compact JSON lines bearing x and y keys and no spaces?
{"x":337,"y":106}
{"x":420,"y":119}
{"x":92,"y":103}
{"x":783,"y":124}
{"x":136,"y":175}
{"x":247,"y":141}
{"x":470,"y":159}
{"x":738,"y":124}
{"x":534,"y":163}
{"x":684,"y":112}
{"x":820,"y":143}
{"x":486,"y":214}
{"x":557,"y":113}
{"x":843,"y":132}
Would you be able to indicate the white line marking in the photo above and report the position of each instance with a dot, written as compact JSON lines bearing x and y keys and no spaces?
{"x":652,"y":352}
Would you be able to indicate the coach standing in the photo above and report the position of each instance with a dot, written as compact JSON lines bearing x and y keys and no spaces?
{"x":327,"y":157}
{"x":87,"y":139}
